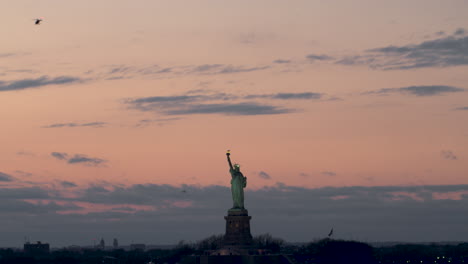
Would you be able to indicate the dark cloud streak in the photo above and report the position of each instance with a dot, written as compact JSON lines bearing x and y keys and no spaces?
{"x":422,"y":90}
{"x":38,"y":82}
{"x":79,"y":159}
{"x":442,"y":52}
{"x":59,"y":155}
{"x":247,"y":108}
{"x":92,"y":124}
{"x":321,"y":57}
{"x":202,"y":102}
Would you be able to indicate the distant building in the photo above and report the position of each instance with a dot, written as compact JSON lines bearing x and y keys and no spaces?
{"x":102,"y":244}
{"x":141,"y":247}
{"x":36,"y":249}
{"x":116,"y":243}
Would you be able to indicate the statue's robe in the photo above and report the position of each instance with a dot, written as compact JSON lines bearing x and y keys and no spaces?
{"x":238,"y":183}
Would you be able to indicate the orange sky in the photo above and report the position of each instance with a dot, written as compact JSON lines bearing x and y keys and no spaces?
{"x":115,"y":117}
{"x":344,"y":138}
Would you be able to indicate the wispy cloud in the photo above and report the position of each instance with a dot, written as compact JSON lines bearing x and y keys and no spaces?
{"x":422,"y":90}
{"x":328,"y":173}
{"x":59,"y":155}
{"x":247,"y":108}
{"x":83,"y":159}
{"x":442,"y":52}
{"x":281,"y":61}
{"x":319,"y":57}
{"x":92,"y":124}
{"x":157,"y":121}
{"x":465,"y":108}
{"x":79,"y":159}
{"x":117,"y":72}
{"x":448,"y":154}
{"x":287,"y":96}
{"x":38,"y":82}
{"x":356,"y":60}
{"x":68,"y":184}
{"x":204,"y":102}
{"x":264,"y":175}
{"x":224,"y":69}
{"x":4,"y":55}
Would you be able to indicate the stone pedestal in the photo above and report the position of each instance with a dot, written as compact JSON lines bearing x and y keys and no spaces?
{"x":238,"y":229}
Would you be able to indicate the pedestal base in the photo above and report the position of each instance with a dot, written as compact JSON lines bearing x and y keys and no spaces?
{"x":238,"y":229}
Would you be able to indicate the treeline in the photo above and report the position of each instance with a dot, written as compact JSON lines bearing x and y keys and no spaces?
{"x":325,"y":251}
{"x":350,"y":252}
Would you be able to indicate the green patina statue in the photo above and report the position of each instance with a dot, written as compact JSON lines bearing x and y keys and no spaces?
{"x":238,"y":183}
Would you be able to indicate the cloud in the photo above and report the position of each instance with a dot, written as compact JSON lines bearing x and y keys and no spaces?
{"x":328,"y":173}
{"x":287,"y":96}
{"x":38,"y":82}
{"x":322,"y":57}
{"x":401,"y":213}
{"x":83,"y":159}
{"x":264,"y":175}
{"x":158,"y":121}
{"x":206,"y":102}
{"x":460,"y":31}
{"x":59,"y":155}
{"x":92,"y":124}
{"x":4,"y":55}
{"x":117,"y":72}
{"x":356,"y":60}
{"x":23,"y":193}
{"x":281,"y":61}
{"x":224,"y":69}
{"x":247,"y":108}
{"x":442,"y":52}
{"x":447,"y":154}
{"x":68,"y":184}
{"x":423,"y":90}
{"x":166,"y":99}
{"x":5,"y":177}
{"x":120,"y":69}
{"x":79,"y":159}
{"x":462,"y":108}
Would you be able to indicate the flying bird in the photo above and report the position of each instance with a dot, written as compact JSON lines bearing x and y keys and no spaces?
{"x":38,"y":21}
{"x":331,"y":233}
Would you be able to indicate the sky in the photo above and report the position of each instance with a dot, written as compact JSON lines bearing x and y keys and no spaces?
{"x":115,"y":117}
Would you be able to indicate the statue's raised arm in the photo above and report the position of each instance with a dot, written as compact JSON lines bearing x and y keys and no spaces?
{"x":228,"y":154}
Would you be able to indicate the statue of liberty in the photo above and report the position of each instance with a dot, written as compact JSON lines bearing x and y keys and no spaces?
{"x":238,"y":183}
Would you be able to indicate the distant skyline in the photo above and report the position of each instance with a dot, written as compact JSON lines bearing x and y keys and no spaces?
{"x":352,"y":115}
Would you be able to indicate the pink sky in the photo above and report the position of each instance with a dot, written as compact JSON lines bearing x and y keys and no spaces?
{"x":292,"y":88}
{"x":394,"y":139}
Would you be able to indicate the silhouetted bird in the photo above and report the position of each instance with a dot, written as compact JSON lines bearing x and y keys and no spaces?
{"x":331,"y":233}
{"x":38,"y":21}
